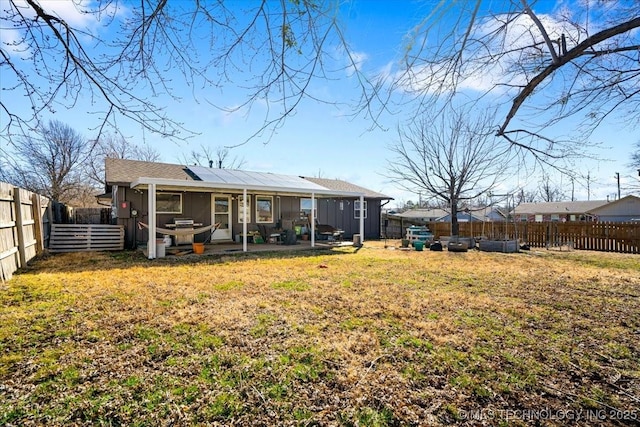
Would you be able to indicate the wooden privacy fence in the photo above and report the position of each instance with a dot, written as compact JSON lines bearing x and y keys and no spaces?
{"x":91,"y":216}
{"x":86,"y":237}
{"x":24,"y":221}
{"x":623,"y":237}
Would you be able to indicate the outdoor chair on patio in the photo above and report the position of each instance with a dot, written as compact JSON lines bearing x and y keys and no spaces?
{"x":270,"y":234}
{"x":328,"y":232}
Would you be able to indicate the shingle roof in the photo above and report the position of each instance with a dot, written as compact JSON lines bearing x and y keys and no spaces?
{"x":124,"y":171}
{"x":423,"y":213}
{"x":436,"y":214}
{"x":576,"y":207}
{"x":339,"y":185}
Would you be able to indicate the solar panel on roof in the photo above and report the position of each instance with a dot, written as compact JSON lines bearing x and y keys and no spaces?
{"x":259,"y":179}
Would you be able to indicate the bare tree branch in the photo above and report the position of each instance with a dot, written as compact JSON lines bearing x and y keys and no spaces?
{"x":273,"y":52}
{"x":452,"y":157}
{"x":563,"y":60}
{"x":538,"y":68}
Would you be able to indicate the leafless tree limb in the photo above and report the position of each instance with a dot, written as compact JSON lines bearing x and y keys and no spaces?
{"x":540,"y":69}
{"x":452,"y":157}
{"x":125,"y":58}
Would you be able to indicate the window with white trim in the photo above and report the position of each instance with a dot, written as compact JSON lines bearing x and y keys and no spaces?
{"x":241,"y":209}
{"x":264,"y":209}
{"x":305,"y":207}
{"x":356,"y":209}
{"x":169,"y":203}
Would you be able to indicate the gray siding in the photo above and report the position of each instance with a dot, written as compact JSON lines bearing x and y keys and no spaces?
{"x":198,"y":207}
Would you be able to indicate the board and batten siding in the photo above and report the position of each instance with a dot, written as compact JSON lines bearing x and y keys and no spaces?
{"x":197,"y":206}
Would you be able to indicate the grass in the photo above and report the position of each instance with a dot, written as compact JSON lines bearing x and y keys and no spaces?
{"x":374,"y":337}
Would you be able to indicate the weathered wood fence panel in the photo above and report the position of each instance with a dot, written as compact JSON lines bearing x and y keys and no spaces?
{"x":86,"y":237}
{"x":23,"y":227}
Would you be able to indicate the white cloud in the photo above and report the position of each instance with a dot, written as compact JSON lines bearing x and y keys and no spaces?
{"x":76,"y":13}
{"x":88,"y":16}
{"x":517,"y":53}
{"x":355,"y":62}
{"x":12,"y":41}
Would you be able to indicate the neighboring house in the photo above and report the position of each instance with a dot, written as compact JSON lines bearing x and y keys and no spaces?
{"x":497,"y":214}
{"x":421,"y":215}
{"x":210,"y":196}
{"x":440,"y":215}
{"x":396,"y":223}
{"x":622,"y":210}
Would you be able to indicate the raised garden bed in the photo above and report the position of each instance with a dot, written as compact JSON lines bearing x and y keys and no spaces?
{"x":506,"y":246}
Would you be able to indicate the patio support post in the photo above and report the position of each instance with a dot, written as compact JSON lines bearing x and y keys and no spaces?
{"x":313,"y":220}
{"x":244,"y":220}
{"x":361,"y":219}
{"x":151,"y":242}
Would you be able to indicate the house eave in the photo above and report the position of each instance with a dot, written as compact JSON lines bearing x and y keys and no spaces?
{"x":142,"y":183}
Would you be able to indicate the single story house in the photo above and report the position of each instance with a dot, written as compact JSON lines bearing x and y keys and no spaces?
{"x":158,"y":194}
{"x":442,"y":215}
{"x":397,"y":222}
{"x":622,"y":210}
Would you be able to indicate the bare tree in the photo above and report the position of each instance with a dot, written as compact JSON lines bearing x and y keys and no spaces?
{"x":115,"y":147}
{"x":579,"y":59}
{"x":122,"y":56}
{"x":525,"y":196}
{"x":453,"y":158}
{"x":220,"y":158}
{"x":50,"y":164}
{"x":635,"y":158}
{"x":550,"y":191}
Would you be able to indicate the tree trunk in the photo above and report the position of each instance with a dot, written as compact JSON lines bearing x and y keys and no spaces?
{"x":455,"y":227}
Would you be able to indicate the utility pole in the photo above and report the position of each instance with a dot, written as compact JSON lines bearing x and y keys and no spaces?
{"x":618,"y":178}
{"x":573,"y":189}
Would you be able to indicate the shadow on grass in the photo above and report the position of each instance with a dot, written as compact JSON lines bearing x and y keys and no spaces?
{"x":101,"y":261}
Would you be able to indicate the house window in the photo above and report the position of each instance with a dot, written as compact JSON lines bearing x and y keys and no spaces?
{"x":264,"y":209}
{"x":555,"y":217}
{"x":539,"y":218}
{"x":169,"y":203}
{"x":241,"y":209}
{"x":305,"y":207}
{"x":356,"y":209}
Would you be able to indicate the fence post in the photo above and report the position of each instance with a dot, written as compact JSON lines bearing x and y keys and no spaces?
{"x":17,"y":201}
{"x":36,"y":209}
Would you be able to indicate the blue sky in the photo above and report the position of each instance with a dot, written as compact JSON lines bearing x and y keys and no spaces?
{"x":325,"y":140}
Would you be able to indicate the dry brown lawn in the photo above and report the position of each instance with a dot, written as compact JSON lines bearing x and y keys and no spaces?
{"x":373,"y":337}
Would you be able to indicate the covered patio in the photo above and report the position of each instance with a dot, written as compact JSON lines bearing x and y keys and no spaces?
{"x":244,"y":183}
{"x":230,"y":248}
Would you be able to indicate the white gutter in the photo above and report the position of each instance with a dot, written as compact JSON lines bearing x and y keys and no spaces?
{"x":208,"y":186}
